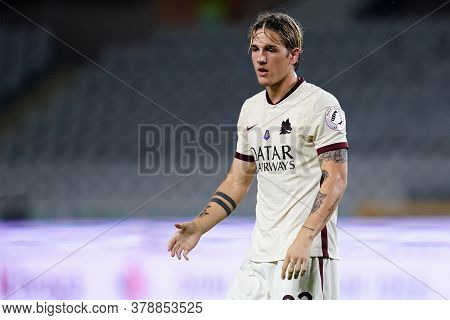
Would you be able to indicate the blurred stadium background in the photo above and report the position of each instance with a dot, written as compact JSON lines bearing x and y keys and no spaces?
{"x":69,"y":141}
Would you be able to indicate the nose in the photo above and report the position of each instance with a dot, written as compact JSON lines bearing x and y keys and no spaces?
{"x":261,"y":59}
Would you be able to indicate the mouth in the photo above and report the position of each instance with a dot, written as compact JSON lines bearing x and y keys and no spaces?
{"x":262,"y":71}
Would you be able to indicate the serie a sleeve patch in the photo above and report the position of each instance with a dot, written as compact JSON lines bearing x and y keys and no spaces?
{"x":335,"y":119}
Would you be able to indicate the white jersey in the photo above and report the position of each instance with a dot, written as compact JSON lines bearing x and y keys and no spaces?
{"x":284,"y":140}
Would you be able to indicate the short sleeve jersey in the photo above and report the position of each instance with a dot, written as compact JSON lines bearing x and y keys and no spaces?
{"x":284,"y":140}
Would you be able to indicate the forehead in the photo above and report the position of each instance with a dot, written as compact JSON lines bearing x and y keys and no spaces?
{"x":265,"y":36}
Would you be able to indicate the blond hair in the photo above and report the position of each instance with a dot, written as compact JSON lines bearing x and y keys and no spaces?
{"x":285,"y":26}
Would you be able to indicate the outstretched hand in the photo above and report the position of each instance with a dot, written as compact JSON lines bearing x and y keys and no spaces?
{"x":184,"y":240}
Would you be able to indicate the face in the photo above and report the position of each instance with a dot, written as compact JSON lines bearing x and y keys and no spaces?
{"x":271,"y":59}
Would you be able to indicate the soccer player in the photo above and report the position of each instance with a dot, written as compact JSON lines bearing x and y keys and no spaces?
{"x":292,"y":136}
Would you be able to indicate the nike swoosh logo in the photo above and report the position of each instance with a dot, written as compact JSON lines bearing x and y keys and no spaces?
{"x":250,"y":128}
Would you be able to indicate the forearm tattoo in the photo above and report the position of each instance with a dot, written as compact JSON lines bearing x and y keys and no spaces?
{"x":311,"y":229}
{"x":222,"y":204}
{"x":333,"y":207}
{"x":330,"y":211}
{"x":204,"y":212}
{"x":318,"y":201}
{"x":226,"y":197}
{"x":217,"y":198}
{"x":337,"y":156}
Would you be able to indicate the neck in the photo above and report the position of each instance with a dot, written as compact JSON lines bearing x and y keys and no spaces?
{"x":277,"y":91}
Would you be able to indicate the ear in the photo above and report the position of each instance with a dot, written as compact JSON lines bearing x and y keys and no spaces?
{"x":295,"y":55}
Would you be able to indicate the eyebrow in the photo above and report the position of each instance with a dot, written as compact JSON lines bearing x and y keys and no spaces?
{"x":266,"y":46}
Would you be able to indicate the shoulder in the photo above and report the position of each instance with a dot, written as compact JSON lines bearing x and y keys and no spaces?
{"x":249,"y":106}
{"x":250,"y":103}
{"x":323,"y":107}
{"x":258,"y":98}
{"x":322,"y":102}
{"x":320,"y":97}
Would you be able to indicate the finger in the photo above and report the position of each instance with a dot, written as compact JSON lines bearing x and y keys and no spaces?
{"x":174,"y":249}
{"x":180,"y":249}
{"x":297,"y":270}
{"x":291,"y":268}
{"x":303,"y":267}
{"x":185,"y":255}
{"x":171,"y":243}
{"x":181,"y":226}
{"x":283,"y":269}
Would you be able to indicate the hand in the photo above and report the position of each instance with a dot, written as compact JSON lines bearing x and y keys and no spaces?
{"x":297,"y":257}
{"x":184,"y":240}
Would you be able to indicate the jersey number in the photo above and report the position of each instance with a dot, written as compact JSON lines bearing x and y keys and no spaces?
{"x":301,"y":296}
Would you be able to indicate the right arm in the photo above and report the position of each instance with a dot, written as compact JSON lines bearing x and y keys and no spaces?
{"x":229,"y":194}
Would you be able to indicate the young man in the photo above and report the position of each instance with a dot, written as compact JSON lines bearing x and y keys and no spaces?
{"x":293,"y":135}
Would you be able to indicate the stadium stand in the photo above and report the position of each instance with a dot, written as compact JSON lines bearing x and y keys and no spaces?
{"x":24,"y":55}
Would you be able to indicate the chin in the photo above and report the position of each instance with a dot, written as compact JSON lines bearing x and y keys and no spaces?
{"x":263,"y":81}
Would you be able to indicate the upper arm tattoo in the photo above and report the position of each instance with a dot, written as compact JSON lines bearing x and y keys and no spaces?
{"x":337,"y":156}
{"x":325,"y":175}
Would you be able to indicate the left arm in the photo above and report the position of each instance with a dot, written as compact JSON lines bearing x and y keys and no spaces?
{"x":334,"y":181}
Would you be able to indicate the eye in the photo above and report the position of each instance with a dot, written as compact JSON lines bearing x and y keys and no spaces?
{"x":254,"y":49}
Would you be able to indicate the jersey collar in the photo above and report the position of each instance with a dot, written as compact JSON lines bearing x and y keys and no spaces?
{"x":299,"y":82}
